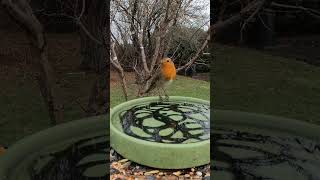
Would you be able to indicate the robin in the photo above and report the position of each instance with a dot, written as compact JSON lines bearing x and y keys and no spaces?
{"x":2,"y":150}
{"x":164,"y":76}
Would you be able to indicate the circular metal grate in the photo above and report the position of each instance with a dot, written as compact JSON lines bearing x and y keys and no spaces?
{"x":167,"y":122}
{"x":246,"y":155}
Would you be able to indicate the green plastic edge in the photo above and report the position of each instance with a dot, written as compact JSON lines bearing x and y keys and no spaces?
{"x":231,"y":118}
{"x":26,"y":147}
{"x":235,"y":119}
{"x":159,"y":155}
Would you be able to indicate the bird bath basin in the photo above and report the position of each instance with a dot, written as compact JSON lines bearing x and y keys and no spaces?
{"x":74,"y":150}
{"x":255,"y":146}
{"x":171,"y":135}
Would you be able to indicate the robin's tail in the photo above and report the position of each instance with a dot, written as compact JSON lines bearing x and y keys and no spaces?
{"x":168,"y":83}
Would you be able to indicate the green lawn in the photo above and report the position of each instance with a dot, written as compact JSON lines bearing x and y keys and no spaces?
{"x":242,"y":79}
{"x":253,"y":81}
{"x":23,"y":111}
{"x":183,"y":86}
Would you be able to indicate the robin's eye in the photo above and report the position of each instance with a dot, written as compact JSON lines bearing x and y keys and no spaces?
{"x":167,"y":60}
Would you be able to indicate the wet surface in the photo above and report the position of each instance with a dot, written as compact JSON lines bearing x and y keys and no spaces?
{"x":167,"y":122}
{"x":84,"y":159}
{"x":249,"y":155}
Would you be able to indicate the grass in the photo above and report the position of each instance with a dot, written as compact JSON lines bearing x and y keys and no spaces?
{"x":242,"y":79}
{"x":254,"y":81}
{"x":22,"y":109}
{"x":183,"y":86}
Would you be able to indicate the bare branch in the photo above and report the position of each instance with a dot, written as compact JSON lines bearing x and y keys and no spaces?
{"x":82,"y":8}
{"x":312,"y":12}
{"x":88,"y":33}
{"x":251,"y":17}
{"x":126,"y":11}
{"x":155,"y":54}
{"x":23,"y":14}
{"x":220,"y":25}
{"x":143,"y":55}
{"x":118,"y":67}
{"x":78,"y":21}
{"x":263,"y":23}
{"x":167,"y":11}
{"x":193,"y":59}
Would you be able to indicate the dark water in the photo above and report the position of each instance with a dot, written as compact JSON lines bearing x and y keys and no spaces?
{"x":246,"y":155}
{"x":178,"y":118}
{"x":74,"y":161}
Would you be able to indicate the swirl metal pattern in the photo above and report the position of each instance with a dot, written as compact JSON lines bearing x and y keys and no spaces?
{"x":191,"y":121}
{"x":81,"y":160}
{"x":246,"y":155}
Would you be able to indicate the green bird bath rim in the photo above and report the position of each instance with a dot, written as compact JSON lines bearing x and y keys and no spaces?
{"x":258,"y":146}
{"x":153,"y":153}
{"x":79,"y":146}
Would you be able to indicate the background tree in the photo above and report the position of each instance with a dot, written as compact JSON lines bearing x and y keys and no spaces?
{"x":254,"y":20}
{"x":144,"y":27}
{"x":185,"y":41}
{"x":22,"y":13}
{"x":90,"y":18}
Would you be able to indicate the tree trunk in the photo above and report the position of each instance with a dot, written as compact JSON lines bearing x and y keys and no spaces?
{"x":21,"y":12}
{"x":99,"y":96}
{"x":48,"y":88}
{"x":93,"y":53}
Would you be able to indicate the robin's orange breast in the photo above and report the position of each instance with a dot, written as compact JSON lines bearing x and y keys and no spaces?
{"x":2,"y":150}
{"x":169,"y":71}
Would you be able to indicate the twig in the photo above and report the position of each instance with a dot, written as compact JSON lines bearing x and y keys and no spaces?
{"x":312,"y":12}
{"x":193,"y":35}
{"x":83,"y":9}
{"x":264,"y":24}
{"x":257,"y":10}
{"x":82,"y":107}
{"x":192,"y":60}
{"x":77,"y":20}
{"x":117,"y":65}
{"x":220,"y":25}
{"x":88,"y":33}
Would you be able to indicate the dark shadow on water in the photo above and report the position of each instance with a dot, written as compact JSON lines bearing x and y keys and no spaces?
{"x":75,"y":161}
{"x":246,"y":155}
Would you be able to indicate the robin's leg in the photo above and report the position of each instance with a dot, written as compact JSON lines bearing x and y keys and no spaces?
{"x":160,"y":97}
{"x":165,"y":94}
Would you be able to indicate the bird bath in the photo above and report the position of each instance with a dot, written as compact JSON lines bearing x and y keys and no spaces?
{"x":74,"y":150}
{"x":255,"y":146}
{"x":173,"y":134}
